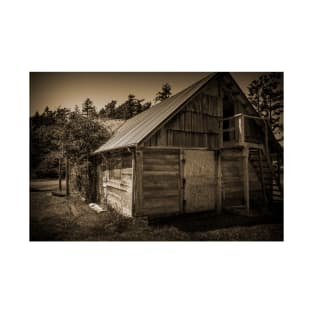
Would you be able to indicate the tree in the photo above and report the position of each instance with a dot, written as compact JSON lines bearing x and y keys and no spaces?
{"x":164,"y":93}
{"x":48,"y":116}
{"x":83,"y":135}
{"x":131,"y":107}
{"x":61,"y":118}
{"x":146,"y":106}
{"x":62,"y":133}
{"x":108,"y":110}
{"x":89,"y":109}
{"x":266,"y":95}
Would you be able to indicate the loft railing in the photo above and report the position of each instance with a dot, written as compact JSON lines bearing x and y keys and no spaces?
{"x":241,"y":128}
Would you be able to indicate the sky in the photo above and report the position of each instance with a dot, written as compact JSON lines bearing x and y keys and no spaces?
{"x":66,"y":89}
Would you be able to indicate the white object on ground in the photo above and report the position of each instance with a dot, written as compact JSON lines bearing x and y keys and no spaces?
{"x":96,"y":207}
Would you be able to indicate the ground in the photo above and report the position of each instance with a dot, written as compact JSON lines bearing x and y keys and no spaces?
{"x":55,"y":218}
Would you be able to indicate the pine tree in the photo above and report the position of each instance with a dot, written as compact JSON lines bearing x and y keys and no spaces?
{"x":164,"y":93}
{"x":131,"y":107}
{"x":108,"y":110}
{"x":88,"y":108}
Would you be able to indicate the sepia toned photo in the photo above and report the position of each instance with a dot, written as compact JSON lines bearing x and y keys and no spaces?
{"x":152,"y":156}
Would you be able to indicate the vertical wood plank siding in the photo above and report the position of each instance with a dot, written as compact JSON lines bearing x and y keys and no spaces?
{"x":196,"y":125}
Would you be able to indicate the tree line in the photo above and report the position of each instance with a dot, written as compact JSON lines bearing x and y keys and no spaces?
{"x":76,"y":132}
{"x":63,"y":132}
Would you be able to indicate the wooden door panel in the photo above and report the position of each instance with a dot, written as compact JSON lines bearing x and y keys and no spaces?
{"x":200,"y":180}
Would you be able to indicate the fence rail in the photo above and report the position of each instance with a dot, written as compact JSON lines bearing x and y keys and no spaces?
{"x":239,"y":129}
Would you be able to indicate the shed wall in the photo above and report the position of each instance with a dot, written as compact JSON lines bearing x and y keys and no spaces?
{"x":160,"y":182}
{"x":232,"y":178}
{"x":195,"y":125}
{"x":116,"y":193}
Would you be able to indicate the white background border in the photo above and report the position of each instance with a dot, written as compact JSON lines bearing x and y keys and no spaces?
{"x":155,"y":36}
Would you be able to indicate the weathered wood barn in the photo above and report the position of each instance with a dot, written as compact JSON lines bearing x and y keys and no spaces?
{"x":205,"y":148}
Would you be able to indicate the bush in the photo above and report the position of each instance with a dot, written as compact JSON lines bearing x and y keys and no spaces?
{"x":49,"y":168}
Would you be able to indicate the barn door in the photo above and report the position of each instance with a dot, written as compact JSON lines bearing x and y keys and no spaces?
{"x":199,"y":180}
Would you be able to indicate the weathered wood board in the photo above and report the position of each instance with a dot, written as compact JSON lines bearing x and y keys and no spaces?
{"x":232,"y":178}
{"x":195,"y":125}
{"x":117,"y":193}
{"x":160,"y":182}
{"x":200,"y":173}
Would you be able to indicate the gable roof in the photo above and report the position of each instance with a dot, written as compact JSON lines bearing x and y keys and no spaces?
{"x":134,"y":130}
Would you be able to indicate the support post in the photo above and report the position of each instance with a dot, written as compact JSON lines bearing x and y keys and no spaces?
{"x":60,"y":175}
{"x":241,"y":121}
{"x":138,"y":181}
{"x":262,"y":178}
{"x":219,"y":182}
{"x":67,"y":176}
{"x":181,"y":180}
{"x":246,"y":190}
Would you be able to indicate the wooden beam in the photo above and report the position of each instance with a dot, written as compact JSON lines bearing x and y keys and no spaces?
{"x":219,"y":182}
{"x":175,"y":148}
{"x":241,"y":127}
{"x":181,"y":181}
{"x":233,"y":117}
{"x":262,"y":177}
{"x":246,"y":190}
{"x":138,"y":174}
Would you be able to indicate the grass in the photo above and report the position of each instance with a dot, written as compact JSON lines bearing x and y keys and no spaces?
{"x":70,"y":219}
{"x":45,"y":185}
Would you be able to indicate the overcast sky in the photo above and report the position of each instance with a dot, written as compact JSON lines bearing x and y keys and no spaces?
{"x":68,"y":89}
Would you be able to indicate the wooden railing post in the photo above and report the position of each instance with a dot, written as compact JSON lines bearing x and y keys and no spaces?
{"x":219,"y":182}
{"x":241,"y":126}
{"x":246,"y":190}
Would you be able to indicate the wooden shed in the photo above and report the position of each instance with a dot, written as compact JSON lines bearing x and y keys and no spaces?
{"x":205,"y":148}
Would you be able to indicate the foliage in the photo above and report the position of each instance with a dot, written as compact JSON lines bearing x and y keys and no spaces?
{"x":54,"y":133}
{"x":131,"y":107}
{"x":164,"y":93}
{"x":266,"y":95}
{"x":108,"y":110}
{"x":83,"y":135}
{"x":89,"y":109}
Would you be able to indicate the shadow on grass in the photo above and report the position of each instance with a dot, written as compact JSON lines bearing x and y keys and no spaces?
{"x":206,"y":221}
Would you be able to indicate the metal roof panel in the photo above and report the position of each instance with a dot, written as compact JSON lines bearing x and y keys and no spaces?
{"x":134,"y":130}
